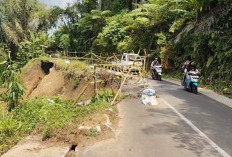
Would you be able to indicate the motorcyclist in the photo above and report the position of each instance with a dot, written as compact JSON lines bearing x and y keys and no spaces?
{"x":156,"y":69}
{"x":155,"y":63}
{"x":186,"y":65}
{"x":186,"y":68}
{"x":192,"y":67}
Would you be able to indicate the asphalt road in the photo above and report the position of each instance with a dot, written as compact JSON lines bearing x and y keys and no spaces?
{"x":182,"y":125}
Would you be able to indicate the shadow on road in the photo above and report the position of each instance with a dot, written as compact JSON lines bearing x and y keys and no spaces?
{"x":210,"y":116}
{"x":181,"y":133}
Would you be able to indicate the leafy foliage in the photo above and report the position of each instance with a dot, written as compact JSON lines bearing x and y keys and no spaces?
{"x":83,"y":33}
{"x":10,"y":78}
{"x":20,"y":17}
{"x":65,"y":42}
{"x":34,"y":47}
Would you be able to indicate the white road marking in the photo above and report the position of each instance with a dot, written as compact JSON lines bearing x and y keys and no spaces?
{"x":200,"y":133}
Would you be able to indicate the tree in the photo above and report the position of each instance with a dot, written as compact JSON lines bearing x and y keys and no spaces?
{"x":65,"y":42}
{"x":19,"y":17}
{"x":83,"y":33}
{"x":33,"y":47}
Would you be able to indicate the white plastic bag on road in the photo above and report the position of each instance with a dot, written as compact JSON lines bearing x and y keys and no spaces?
{"x":149,"y":92}
{"x":149,"y":100}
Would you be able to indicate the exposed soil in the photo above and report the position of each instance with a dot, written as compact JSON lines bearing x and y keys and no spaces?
{"x":3,"y":90}
{"x":32,"y":76}
{"x":44,"y":79}
{"x":76,"y":136}
{"x":80,"y":139}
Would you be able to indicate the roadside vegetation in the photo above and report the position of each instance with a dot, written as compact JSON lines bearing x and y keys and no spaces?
{"x":48,"y":117}
{"x":174,"y":30}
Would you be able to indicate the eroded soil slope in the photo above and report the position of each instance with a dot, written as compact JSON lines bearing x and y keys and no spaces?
{"x":46,"y":79}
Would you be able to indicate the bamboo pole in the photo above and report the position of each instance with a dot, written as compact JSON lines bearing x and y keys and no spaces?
{"x":95,"y":80}
{"x":81,"y":93}
{"x":81,"y":58}
{"x":124,"y":80}
{"x":119,"y":90}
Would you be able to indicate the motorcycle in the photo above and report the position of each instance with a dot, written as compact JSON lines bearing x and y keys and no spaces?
{"x":156,"y":72}
{"x":191,"y":82}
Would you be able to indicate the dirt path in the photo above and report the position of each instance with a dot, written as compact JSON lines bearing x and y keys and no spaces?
{"x":33,"y":146}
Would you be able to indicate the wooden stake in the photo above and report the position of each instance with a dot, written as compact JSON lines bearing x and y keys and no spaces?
{"x":119,"y":90}
{"x":81,"y":93}
{"x":124,"y":80}
{"x":95,"y":80}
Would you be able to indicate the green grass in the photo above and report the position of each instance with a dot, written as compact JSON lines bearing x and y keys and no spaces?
{"x":41,"y":58}
{"x":74,"y":68}
{"x":48,"y":116}
{"x":220,"y":88}
{"x":92,"y":132}
{"x":72,"y":65}
{"x":76,"y":84}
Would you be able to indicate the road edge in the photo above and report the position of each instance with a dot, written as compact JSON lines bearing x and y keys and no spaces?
{"x":209,"y":93}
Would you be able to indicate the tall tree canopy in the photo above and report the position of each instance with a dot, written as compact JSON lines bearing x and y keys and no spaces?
{"x":19,"y":17}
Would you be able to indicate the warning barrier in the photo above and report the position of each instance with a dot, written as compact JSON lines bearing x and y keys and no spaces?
{"x":119,"y":71}
{"x":124,"y":69}
{"x":111,"y":78}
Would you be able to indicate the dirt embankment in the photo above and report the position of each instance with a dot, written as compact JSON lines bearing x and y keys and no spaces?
{"x":94,"y":123}
{"x":43,"y":78}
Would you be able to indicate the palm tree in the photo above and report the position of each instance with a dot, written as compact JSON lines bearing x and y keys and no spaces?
{"x":19,"y":17}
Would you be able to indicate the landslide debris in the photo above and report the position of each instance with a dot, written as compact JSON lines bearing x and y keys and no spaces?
{"x":50,"y":78}
{"x":55,"y":78}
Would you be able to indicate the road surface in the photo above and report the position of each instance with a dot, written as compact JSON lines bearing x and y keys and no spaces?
{"x":182,"y":125}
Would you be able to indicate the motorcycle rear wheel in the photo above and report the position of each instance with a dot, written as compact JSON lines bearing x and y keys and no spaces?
{"x":194,"y":89}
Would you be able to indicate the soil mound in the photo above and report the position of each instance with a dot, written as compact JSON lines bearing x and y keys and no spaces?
{"x":52,"y":84}
{"x":32,"y":76}
{"x":42,"y":78}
